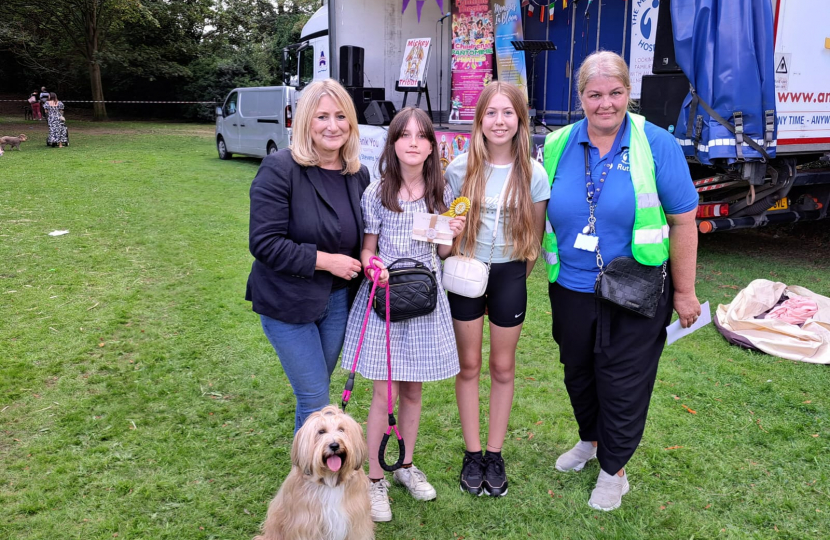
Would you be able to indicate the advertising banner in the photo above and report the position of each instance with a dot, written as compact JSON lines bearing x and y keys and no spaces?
{"x":643,"y":31}
{"x":473,"y":39}
{"x":414,"y":65}
{"x":510,"y":62}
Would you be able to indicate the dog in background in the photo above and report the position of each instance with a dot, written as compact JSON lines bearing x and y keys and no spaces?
{"x":14,"y":142}
{"x":326,"y":494}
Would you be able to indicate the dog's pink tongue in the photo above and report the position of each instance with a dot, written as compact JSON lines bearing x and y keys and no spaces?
{"x":334,"y":462}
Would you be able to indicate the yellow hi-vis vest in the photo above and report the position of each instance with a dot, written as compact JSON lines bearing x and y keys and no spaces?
{"x":650,"y":236}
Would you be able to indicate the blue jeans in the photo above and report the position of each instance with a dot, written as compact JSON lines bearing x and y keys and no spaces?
{"x":308,"y":353}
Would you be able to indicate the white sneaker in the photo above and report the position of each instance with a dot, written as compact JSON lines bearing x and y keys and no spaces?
{"x":576,"y":458}
{"x":379,"y":497}
{"x":609,"y":491}
{"x":416,"y":482}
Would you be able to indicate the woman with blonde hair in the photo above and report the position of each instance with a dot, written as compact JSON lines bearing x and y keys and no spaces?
{"x":306,"y":233}
{"x":508,"y":193}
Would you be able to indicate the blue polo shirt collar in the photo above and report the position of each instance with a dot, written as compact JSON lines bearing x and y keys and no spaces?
{"x":623,"y":136}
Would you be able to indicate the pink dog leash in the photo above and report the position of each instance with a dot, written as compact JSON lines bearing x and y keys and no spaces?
{"x":347,"y":392}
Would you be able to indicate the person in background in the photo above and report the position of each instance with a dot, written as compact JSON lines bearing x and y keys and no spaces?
{"x":306,"y":233}
{"x":34,"y":103}
{"x":620,"y":187}
{"x":44,"y":96}
{"x":57,"y":125}
{"x":497,"y":167}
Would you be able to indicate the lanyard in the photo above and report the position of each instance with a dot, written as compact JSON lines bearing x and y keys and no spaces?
{"x":591,"y":241}
{"x":594,"y":192}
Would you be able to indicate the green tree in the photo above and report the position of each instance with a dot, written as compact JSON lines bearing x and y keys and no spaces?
{"x":194,"y":49}
{"x":81,"y":27}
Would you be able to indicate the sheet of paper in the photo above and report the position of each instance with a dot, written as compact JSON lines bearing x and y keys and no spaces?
{"x":432,"y":228}
{"x":675,"y":332}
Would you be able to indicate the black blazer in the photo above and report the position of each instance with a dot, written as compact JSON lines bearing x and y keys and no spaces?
{"x":291,"y":219}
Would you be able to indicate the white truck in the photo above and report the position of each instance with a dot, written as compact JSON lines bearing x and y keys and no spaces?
{"x":764,"y":157}
{"x":790,"y":183}
{"x":380,"y":30}
{"x":257,"y":121}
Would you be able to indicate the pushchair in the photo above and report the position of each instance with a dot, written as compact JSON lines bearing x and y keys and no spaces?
{"x":54,"y":144}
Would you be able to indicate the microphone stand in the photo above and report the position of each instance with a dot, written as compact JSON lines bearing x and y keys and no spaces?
{"x":441,"y":73}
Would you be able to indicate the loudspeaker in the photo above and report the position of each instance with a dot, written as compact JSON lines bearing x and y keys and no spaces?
{"x":351,"y":65}
{"x":664,"y":59}
{"x":362,"y":97}
{"x":379,"y":113}
{"x":661,"y":98}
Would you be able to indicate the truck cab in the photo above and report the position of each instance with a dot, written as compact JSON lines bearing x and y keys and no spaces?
{"x":312,"y":52}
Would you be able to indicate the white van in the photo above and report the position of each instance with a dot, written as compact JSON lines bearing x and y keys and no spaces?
{"x":254,"y":121}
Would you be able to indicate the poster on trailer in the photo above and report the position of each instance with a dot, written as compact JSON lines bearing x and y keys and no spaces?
{"x":510,"y":63}
{"x":473,"y":37}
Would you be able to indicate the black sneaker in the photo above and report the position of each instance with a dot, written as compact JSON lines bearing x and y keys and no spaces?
{"x":495,"y":479}
{"x":472,"y":473}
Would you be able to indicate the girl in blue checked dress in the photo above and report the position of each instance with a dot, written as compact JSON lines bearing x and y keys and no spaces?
{"x":423,"y":348}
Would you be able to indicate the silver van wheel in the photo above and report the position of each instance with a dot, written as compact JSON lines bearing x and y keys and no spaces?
{"x":222,"y":149}
{"x":272,"y":148}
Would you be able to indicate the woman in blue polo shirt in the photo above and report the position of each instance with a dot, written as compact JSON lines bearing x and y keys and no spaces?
{"x":610,"y":354}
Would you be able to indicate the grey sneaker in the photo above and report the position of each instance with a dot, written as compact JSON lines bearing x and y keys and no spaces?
{"x":379,"y":497}
{"x":609,"y":491}
{"x":576,"y":458}
{"x":416,"y":482}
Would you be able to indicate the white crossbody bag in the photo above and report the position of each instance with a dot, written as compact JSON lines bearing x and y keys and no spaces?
{"x":467,"y":276}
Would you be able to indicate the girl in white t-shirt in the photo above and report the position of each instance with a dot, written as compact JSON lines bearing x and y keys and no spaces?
{"x":498,"y":167}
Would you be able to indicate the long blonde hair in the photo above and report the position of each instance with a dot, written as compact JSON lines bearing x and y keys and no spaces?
{"x":302,"y":149}
{"x":518,"y":223}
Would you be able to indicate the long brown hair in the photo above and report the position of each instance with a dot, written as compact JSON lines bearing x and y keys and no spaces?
{"x":518,"y":222}
{"x":390,"y":168}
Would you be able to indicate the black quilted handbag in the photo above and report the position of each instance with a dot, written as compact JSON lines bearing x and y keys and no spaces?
{"x":413,"y":291}
{"x":631,"y":285}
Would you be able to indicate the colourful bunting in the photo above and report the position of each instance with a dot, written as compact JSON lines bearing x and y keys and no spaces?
{"x":419,"y":5}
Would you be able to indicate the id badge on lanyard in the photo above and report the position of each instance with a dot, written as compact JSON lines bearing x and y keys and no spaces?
{"x":588,"y":240}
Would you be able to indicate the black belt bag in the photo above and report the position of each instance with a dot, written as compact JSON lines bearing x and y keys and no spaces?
{"x":631,"y":285}
{"x":413,"y":291}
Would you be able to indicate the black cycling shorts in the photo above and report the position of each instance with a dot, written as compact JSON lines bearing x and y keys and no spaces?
{"x":505,"y":298}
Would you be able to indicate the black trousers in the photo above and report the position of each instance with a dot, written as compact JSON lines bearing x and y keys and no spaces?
{"x":610,"y":357}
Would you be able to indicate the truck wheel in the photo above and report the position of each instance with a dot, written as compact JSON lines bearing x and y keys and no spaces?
{"x":272,"y":148}
{"x":222,"y":149}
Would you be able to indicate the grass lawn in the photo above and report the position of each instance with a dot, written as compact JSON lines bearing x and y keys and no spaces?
{"x":139,"y":397}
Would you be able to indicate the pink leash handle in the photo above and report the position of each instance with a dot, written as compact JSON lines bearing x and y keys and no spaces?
{"x":390,"y":406}
{"x":347,"y":391}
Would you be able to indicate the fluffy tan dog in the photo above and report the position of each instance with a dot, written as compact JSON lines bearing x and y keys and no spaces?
{"x":14,"y":142}
{"x":326,"y":494}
